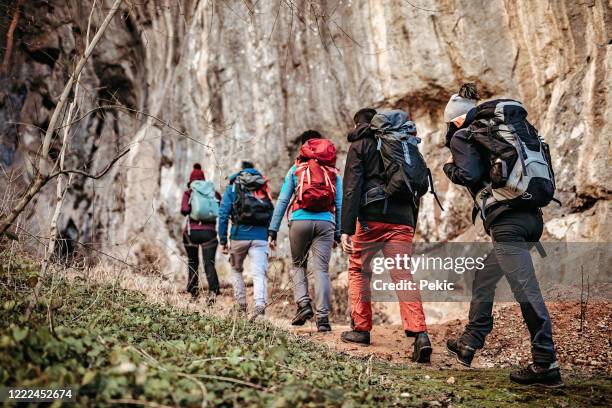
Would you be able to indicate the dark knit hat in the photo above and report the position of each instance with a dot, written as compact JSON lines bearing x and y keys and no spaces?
{"x":364,"y":115}
{"x":197,"y":173}
{"x":310,"y":134}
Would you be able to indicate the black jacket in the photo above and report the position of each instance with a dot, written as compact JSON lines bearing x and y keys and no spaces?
{"x":364,"y":169}
{"x":471,"y":164}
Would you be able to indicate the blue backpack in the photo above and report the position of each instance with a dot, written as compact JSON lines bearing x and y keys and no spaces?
{"x":203,"y":201}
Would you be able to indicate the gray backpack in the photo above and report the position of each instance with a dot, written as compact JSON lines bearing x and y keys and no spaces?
{"x":406,"y":173}
{"x":521,"y":171}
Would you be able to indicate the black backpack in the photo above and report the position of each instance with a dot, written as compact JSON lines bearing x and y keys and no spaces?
{"x":252,"y":205}
{"x":521,"y":170}
{"x":406,"y":173}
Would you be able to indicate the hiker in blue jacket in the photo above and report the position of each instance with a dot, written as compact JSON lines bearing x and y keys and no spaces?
{"x":247,"y":203}
{"x":314,"y":223}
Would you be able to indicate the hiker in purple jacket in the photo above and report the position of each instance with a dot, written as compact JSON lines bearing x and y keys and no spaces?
{"x":198,"y":234}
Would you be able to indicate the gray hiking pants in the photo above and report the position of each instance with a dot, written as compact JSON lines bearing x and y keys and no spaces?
{"x":316,"y":237}
{"x":257,"y":250}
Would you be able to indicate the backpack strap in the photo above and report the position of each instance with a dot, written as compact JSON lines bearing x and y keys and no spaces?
{"x":540,"y":248}
{"x":486,"y":192}
{"x":475,"y":211}
{"x":519,"y":147}
{"x":433,"y":191}
{"x":409,"y":189}
{"x":406,"y":151}
{"x":300,"y":186}
{"x":326,"y":170}
{"x":484,"y":129}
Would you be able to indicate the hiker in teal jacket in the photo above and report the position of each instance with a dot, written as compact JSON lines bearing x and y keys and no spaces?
{"x":284,"y":199}
{"x":313,"y":231}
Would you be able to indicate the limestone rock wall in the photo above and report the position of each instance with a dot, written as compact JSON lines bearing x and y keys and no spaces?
{"x":226,"y":81}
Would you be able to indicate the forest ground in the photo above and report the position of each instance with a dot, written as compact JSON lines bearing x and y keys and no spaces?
{"x":137,"y":340}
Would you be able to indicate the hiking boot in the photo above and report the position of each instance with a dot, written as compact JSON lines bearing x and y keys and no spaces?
{"x":353,"y":336}
{"x":304,"y":312}
{"x":241,"y":308}
{"x":463,"y":352}
{"x":211,"y":298}
{"x":548,"y":376}
{"x":258,"y":311}
{"x":422,"y":348}
{"x":323,"y":324}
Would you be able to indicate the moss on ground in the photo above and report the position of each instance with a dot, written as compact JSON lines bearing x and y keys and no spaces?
{"x":112,"y":346}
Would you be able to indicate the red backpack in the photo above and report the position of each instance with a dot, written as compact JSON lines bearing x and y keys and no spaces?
{"x":315,"y":170}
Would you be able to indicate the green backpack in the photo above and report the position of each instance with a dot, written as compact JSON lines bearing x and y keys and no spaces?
{"x":203,"y":201}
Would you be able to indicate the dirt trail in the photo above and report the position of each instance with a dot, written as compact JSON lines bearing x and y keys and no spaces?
{"x":587,"y":352}
{"x":508,"y":345}
{"x":388,"y":342}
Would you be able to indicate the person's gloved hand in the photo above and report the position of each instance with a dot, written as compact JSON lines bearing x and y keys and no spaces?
{"x":272,"y":239}
{"x":337,"y":239}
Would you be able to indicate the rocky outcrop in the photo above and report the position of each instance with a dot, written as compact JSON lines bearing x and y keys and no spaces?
{"x":221,"y":82}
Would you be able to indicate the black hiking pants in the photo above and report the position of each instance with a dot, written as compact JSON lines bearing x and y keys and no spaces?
{"x":207,"y":240}
{"x":513,"y":233}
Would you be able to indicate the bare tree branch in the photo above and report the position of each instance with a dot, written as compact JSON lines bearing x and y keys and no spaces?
{"x":166,"y":123}
{"x":60,"y":189}
{"x":89,"y":175}
{"x":422,"y":8}
{"x":9,"y":38}
{"x":43,"y":167}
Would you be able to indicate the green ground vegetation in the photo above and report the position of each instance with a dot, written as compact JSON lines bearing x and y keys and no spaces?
{"x":113,"y":346}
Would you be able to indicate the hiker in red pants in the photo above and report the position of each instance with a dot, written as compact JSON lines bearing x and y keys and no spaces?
{"x":374,"y":220}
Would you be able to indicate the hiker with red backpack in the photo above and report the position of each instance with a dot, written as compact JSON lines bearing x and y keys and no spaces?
{"x":200,"y":205}
{"x":247,"y":203}
{"x":384,"y":178}
{"x":314,"y":223}
{"x":506,"y":166}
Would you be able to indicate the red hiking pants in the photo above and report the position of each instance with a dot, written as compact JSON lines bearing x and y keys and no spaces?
{"x":392,"y":239}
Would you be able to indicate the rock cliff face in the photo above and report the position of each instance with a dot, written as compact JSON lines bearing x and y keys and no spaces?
{"x":225,"y":81}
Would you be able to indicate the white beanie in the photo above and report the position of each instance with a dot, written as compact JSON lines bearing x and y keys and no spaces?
{"x":457,"y":106}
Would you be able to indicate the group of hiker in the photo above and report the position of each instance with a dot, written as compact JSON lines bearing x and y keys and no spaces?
{"x":374,"y":207}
